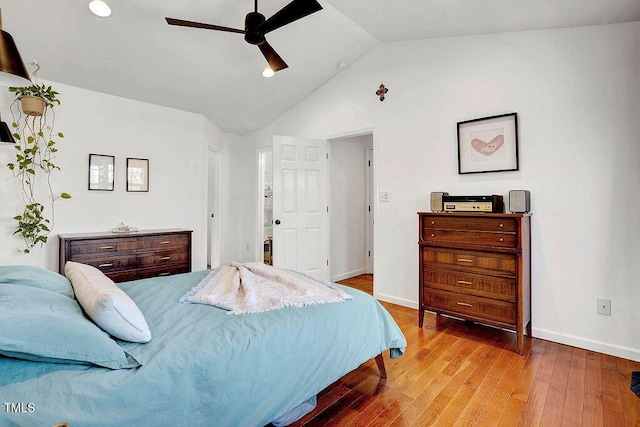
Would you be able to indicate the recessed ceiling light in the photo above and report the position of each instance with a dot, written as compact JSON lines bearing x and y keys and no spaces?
{"x":267,"y":72}
{"x":100,"y":8}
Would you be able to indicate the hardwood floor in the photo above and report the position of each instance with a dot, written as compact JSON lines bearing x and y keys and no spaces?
{"x":458,"y":374}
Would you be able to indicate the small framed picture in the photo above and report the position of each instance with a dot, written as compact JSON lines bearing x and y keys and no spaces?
{"x":101,"y":172}
{"x":137,"y":174}
{"x":489,"y":144}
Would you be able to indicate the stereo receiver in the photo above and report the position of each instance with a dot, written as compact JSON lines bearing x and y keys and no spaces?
{"x":493,"y":203}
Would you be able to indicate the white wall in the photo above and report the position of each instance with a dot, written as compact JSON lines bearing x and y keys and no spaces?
{"x":175,"y":142}
{"x":347,"y":206}
{"x":576,"y":94}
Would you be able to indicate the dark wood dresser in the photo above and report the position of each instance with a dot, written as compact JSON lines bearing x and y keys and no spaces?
{"x":477,"y":267}
{"x":129,"y":256}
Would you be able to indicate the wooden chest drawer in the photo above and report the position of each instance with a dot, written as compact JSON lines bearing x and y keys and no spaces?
{"x":470,"y":305}
{"x":81,"y":248}
{"x":475,"y":284}
{"x":110,"y":264}
{"x":479,"y":238}
{"x":166,"y":257}
{"x":162,"y":271}
{"x":160,"y":242}
{"x":497,"y":225}
{"x":471,"y":261}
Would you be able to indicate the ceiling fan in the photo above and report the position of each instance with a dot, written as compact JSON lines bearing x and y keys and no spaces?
{"x":256,"y":26}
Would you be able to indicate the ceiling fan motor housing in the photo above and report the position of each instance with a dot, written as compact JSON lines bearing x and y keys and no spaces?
{"x":251,"y":24}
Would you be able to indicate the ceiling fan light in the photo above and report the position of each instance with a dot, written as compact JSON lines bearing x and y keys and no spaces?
{"x":100,"y":8}
{"x":268,"y":72}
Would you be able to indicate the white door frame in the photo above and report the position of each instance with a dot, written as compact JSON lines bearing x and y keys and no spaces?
{"x":369,"y":198}
{"x":213,"y":205}
{"x":373,"y":131}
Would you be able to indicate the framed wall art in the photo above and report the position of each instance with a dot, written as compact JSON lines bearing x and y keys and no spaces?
{"x":101,"y":172}
{"x":489,"y":144}
{"x":137,"y":174}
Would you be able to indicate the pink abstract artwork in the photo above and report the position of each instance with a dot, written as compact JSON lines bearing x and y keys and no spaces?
{"x":487,"y":148}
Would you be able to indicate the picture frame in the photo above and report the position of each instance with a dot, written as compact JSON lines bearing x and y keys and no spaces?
{"x":101,"y":172}
{"x":488,"y":144}
{"x":137,"y":174}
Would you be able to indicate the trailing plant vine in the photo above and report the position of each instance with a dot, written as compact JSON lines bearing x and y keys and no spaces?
{"x":35,"y":154}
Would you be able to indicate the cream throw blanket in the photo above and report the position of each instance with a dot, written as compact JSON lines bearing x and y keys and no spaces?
{"x":255,"y":287}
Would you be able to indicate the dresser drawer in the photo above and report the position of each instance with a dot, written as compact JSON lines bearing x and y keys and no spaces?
{"x":470,"y":305}
{"x":89,"y":248}
{"x":443,"y":222}
{"x":475,"y":284}
{"x":165,"y":241}
{"x":470,"y":261}
{"x":163,"y":258}
{"x":162,"y":271}
{"x":478,"y":238}
{"x":112,"y":263}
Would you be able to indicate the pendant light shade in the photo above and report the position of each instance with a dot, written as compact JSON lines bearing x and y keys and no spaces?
{"x":5,"y":133}
{"x":12,"y":69}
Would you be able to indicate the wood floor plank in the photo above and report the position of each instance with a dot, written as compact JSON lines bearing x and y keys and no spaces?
{"x":574,"y":399}
{"x":458,"y":374}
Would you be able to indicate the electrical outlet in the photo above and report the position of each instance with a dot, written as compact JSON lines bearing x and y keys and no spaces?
{"x":604,"y":306}
{"x":384,"y":196}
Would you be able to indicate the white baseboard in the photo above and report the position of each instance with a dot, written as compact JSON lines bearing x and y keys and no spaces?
{"x":587,"y":344}
{"x":395,"y":300}
{"x":348,"y":274}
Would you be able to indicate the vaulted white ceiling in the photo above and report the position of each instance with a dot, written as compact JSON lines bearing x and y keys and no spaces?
{"x":135,"y":54}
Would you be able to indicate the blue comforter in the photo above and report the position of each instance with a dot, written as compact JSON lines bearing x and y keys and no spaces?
{"x":204,"y":367}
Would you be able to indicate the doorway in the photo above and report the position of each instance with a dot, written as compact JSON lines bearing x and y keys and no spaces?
{"x":351,"y":255}
{"x":265,"y":200}
{"x":351,"y":206}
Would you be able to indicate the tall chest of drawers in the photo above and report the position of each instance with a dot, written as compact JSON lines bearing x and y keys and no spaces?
{"x":477,"y":267}
{"x":130,"y":256}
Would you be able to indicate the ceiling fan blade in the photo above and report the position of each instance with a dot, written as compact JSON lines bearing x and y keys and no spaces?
{"x":275,"y":62}
{"x":182,"y":23}
{"x":292,"y":12}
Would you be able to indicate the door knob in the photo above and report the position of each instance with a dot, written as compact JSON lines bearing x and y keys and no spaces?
{"x":277,"y":222}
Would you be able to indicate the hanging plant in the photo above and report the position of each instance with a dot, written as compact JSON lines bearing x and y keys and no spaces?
{"x":35,"y":152}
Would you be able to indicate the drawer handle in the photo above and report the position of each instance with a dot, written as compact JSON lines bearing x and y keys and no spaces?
{"x":163,"y":274}
{"x":464,"y":282}
{"x":433,"y":235}
{"x":106,"y":247}
{"x":109,"y":264}
{"x":465,"y":304}
{"x":164,"y":242}
{"x":501,"y":225}
{"x":433,"y":222}
{"x":464,"y":260}
{"x":165,"y":258}
{"x":501,"y":239}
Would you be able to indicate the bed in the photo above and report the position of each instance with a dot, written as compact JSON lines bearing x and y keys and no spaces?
{"x":202,"y":365}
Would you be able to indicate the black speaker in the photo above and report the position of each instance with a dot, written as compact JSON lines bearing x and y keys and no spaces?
{"x":519,"y":201}
{"x":436,"y":202}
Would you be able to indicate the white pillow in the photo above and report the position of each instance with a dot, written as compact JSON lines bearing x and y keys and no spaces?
{"x":106,"y":304}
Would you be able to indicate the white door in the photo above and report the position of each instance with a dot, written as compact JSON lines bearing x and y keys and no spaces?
{"x":300,"y":205}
